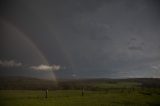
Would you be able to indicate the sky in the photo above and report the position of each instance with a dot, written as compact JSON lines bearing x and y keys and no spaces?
{"x":80,"y":38}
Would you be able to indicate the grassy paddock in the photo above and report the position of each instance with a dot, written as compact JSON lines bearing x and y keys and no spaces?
{"x":113,"y":97}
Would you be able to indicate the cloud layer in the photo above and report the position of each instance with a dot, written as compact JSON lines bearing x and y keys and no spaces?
{"x":43,"y":67}
{"x":10,"y":63}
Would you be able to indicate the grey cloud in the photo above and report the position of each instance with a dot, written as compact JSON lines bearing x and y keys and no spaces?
{"x":138,"y":48}
{"x":135,"y":44}
{"x":10,"y":63}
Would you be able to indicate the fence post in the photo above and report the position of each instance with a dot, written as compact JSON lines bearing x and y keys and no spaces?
{"x":46,"y":96}
{"x":82,"y":91}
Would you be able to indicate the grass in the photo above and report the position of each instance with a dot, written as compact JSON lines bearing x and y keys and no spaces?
{"x":137,"y":97}
{"x":116,"y":85}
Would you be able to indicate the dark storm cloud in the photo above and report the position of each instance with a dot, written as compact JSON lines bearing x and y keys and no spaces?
{"x":98,"y":38}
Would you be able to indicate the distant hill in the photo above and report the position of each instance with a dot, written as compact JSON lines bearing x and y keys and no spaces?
{"x":28,"y":83}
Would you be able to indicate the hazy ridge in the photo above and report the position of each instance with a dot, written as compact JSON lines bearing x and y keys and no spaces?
{"x":29,"y":83}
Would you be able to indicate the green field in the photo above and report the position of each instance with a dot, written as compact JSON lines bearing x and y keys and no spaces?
{"x":19,"y":91}
{"x":112,"y":97}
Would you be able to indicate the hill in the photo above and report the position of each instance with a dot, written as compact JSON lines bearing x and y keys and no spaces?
{"x":28,"y":83}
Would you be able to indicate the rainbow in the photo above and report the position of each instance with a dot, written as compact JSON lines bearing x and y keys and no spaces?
{"x":25,"y":38}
